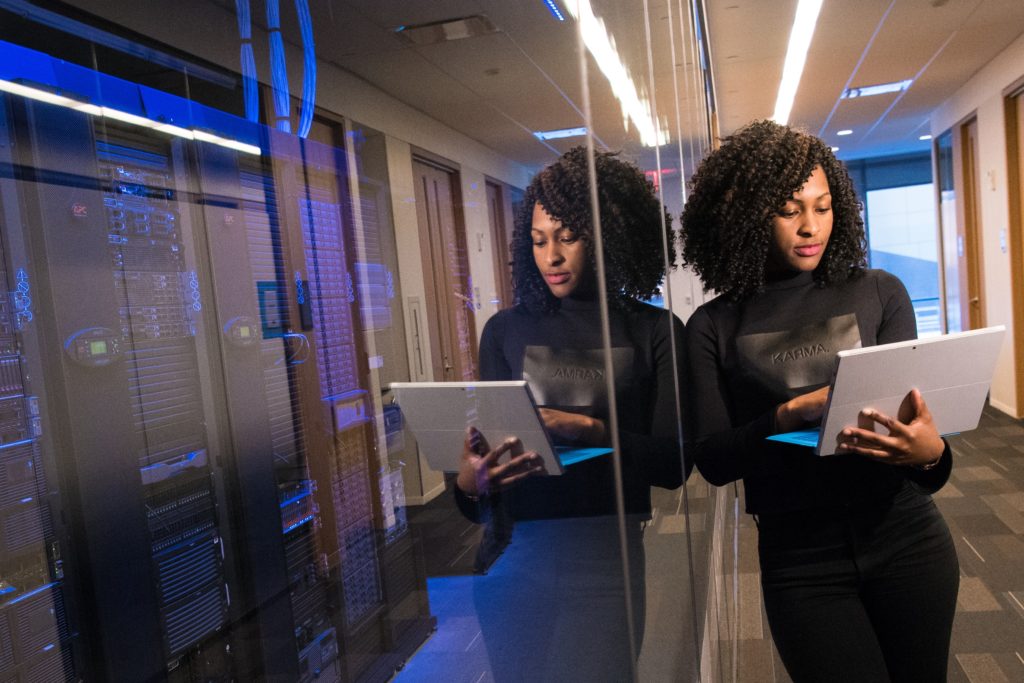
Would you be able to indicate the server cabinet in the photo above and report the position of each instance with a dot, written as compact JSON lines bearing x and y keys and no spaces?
{"x":35,"y":641}
{"x":201,"y":406}
{"x":120,"y":313}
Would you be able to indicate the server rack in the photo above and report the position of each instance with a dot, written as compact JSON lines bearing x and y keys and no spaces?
{"x":216,"y":452}
{"x":34,"y":634}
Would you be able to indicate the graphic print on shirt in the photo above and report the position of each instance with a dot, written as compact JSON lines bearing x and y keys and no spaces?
{"x":801,"y":359}
{"x":574,"y":379}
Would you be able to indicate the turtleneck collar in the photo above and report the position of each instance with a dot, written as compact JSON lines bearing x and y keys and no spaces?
{"x":587,"y":302}
{"x":789,"y":280}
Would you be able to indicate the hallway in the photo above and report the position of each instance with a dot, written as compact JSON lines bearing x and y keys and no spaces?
{"x":983,"y":504}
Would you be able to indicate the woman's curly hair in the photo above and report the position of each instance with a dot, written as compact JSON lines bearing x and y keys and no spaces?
{"x":631,"y":225}
{"x":739,"y":188}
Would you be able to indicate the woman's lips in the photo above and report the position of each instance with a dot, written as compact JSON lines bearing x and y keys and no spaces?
{"x":808,"y":250}
{"x":556,"y":278}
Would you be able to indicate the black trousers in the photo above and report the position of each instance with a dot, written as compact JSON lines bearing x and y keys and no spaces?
{"x":865,"y":595}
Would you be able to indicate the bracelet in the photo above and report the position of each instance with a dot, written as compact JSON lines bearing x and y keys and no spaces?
{"x":928,"y":466}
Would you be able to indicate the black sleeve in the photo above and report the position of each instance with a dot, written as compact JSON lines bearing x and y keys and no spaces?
{"x":475,"y":511}
{"x":898,"y":320}
{"x":493,"y":365}
{"x":722,"y":452}
{"x":657,"y":454}
{"x":899,"y":324}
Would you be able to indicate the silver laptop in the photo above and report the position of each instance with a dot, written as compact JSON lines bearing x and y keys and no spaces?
{"x":953,"y":373}
{"x":439,"y":412}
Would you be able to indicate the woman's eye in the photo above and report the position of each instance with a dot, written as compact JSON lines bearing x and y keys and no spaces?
{"x":539,"y":244}
{"x":568,"y":239}
{"x":824,"y":209}
{"x":787,"y":214}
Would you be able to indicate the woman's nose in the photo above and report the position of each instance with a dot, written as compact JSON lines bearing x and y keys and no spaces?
{"x":554,"y":253}
{"x":809,"y":226}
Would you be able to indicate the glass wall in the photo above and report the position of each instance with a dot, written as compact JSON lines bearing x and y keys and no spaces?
{"x":903,"y":241}
{"x":228,"y":229}
{"x":902,"y":228}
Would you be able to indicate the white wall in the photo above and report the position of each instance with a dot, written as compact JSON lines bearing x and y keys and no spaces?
{"x":982,"y":96}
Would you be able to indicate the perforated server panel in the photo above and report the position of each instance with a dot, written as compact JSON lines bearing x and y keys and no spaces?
{"x":34,"y":637}
{"x":280,"y":352}
{"x":158,"y":297}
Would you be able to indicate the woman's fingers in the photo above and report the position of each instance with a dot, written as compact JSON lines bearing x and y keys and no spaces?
{"x":526,"y":465}
{"x":510,"y":444}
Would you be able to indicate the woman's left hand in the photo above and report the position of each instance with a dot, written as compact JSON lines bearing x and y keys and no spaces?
{"x":574,"y":427}
{"x":911,"y":441}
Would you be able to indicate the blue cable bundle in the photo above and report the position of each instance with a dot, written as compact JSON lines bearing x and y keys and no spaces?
{"x":278,"y":68}
{"x":309,"y":66}
{"x":250,"y":93}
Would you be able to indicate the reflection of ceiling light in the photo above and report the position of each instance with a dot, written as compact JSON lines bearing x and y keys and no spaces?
{"x":882,"y":89}
{"x":553,"y":8}
{"x":634,"y":107}
{"x":125,"y":117}
{"x":561,"y":133}
{"x":845,"y":131}
{"x":925,"y":137}
{"x":449,"y":29}
{"x":796,"y":54}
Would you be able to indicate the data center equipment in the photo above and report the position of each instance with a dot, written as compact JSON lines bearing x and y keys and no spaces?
{"x":192,"y":482}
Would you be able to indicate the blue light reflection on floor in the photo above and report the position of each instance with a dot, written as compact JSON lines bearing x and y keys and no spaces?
{"x":550,"y":608}
{"x":455,"y":652}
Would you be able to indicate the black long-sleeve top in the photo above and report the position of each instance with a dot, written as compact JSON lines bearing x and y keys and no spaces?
{"x":746,"y":358}
{"x":560,"y":355}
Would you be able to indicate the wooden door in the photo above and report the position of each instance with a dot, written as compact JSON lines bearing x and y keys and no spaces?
{"x":499,"y":212}
{"x":1015,"y":239}
{"x":969,"y":258}
{"x":446,"y":270}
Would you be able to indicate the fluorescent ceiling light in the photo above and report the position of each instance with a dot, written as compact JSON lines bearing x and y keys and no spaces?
{"x":796,"y":55}
{"x":118,"y":115}
{"x":226,"y":142}
{"x":881,"y":89}
{"x":36,"y":94}
{"x":562,"y":133}
{"x":601,"y":46}
{"x":845,"y":131}
{"x":834,"y":149}
{"x":925,"y":137}
{"x":553,"y":8}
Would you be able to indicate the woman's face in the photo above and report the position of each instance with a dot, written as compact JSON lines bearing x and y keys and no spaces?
{"x":802,"y":227}
{"x":560,"y":254}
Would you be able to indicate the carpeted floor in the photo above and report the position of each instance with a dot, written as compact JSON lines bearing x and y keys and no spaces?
{"x":983,"y":504}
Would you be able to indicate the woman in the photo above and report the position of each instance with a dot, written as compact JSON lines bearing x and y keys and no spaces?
{"x":552,"y":338}
{"x":858,"y":569}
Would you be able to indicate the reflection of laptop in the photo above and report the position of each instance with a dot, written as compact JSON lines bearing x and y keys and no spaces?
{"x":952,"y":372}
{"x":439,"y":412}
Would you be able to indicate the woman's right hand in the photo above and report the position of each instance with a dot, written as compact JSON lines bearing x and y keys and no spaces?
{"x":482,"y":471}
{"x":800,"y":411}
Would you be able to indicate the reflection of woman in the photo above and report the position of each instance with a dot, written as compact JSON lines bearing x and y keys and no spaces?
{"x":552,"y":338}
{"x":858,"y":569}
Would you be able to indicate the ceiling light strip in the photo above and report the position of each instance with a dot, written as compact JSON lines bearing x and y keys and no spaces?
{"x":602,"y":48}
{"x":553,"y":8}
{"x":796,"y":56}
{"x":124,"y":117}
{"x":560,"y":133}
{"x":880,"y":89}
